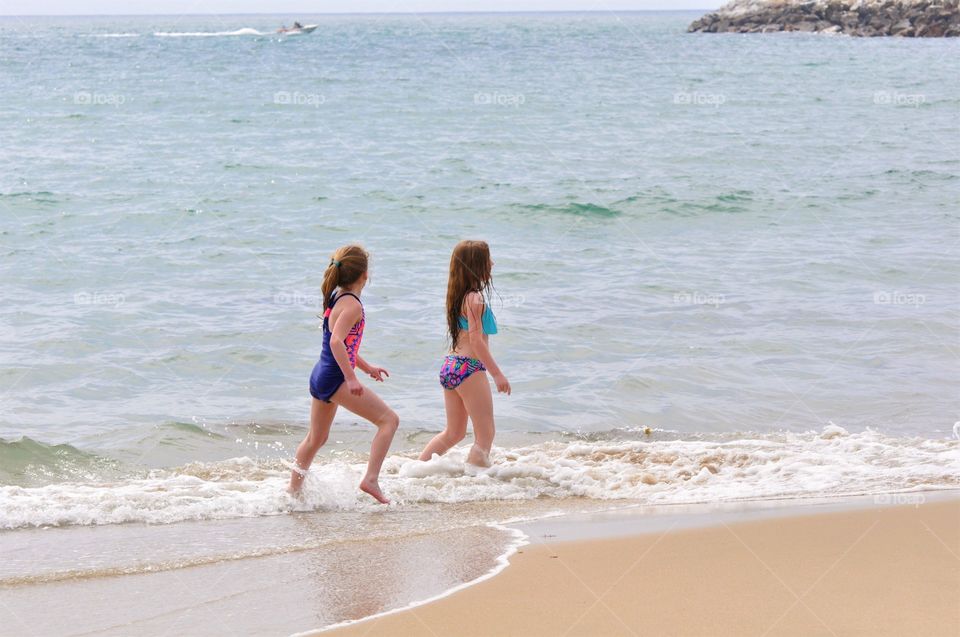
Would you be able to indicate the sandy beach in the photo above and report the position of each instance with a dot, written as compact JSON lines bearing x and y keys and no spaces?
{"x":880,"y":571}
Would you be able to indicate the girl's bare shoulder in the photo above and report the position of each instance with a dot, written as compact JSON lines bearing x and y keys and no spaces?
{"x":473,"y":298}
{"x":346,"y":305}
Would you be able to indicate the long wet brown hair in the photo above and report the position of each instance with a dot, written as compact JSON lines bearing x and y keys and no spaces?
{"x":470,"y":271}
{"x":346,"y":266}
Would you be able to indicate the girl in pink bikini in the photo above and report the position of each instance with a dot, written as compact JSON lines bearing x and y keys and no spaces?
{"x":334,"y":382}
{"x":463,"y":375}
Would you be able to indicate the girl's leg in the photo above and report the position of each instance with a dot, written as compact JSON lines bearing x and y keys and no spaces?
{"x":478,"y":400}
{"x":369,"y":406}
{"x":456,"y":426}
{"x":321,"y":417}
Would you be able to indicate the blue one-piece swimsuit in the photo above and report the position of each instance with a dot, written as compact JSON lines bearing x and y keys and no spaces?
{"x":327,"y":375}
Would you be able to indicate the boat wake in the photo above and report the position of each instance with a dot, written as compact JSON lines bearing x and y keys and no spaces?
{"x":207,"y":34}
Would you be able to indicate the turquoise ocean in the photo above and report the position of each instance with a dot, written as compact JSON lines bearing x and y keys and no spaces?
{"x":726,"y":270}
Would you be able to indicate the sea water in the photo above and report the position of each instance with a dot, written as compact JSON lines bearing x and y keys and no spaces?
{"x":725,"y":266}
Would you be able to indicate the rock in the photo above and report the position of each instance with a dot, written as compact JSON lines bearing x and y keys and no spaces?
{"x":900,"y":26}
{"x":864,"y":18}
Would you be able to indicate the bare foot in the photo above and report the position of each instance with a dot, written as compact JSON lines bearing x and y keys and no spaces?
{"x":297,"y":477}
{"x":372,"y":488}
{"x":478,"y":457}
{"x":295,"y":485}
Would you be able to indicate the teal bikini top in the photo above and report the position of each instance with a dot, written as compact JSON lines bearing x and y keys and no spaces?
{"x":488,"y":320}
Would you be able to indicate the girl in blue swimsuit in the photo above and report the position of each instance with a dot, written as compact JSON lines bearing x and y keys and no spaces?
{"x":463,"y":374}
{"x":334,"y":381}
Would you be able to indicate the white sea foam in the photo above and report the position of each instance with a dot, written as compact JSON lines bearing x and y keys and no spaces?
{"x":830,"y":463}
{"x":206,"y":34}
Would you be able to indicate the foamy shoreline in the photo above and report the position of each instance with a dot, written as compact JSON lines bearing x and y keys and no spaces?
{"x":630,"y":467}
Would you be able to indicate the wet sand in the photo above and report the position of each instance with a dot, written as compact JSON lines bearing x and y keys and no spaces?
{"x":265,"y":576}
{"x":876,"y":571}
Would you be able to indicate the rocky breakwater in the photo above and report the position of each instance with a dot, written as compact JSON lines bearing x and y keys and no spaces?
{"x":866,"y":18}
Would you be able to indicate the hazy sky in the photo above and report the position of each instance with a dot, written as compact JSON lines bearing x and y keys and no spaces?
{"x":304,"y":7}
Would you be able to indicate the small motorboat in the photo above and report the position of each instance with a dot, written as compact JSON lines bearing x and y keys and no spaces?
{"x":298,"y":30}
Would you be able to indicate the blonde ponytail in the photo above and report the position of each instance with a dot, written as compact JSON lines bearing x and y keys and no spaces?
{"x":347,"y":265}
{"x":331,"y":280}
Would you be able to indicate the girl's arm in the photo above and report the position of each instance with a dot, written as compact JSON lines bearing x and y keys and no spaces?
{"x":346,"y":319}
{"x":474,"y":303}
{"x":363,"y":365}
{"x":374,"y":371}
